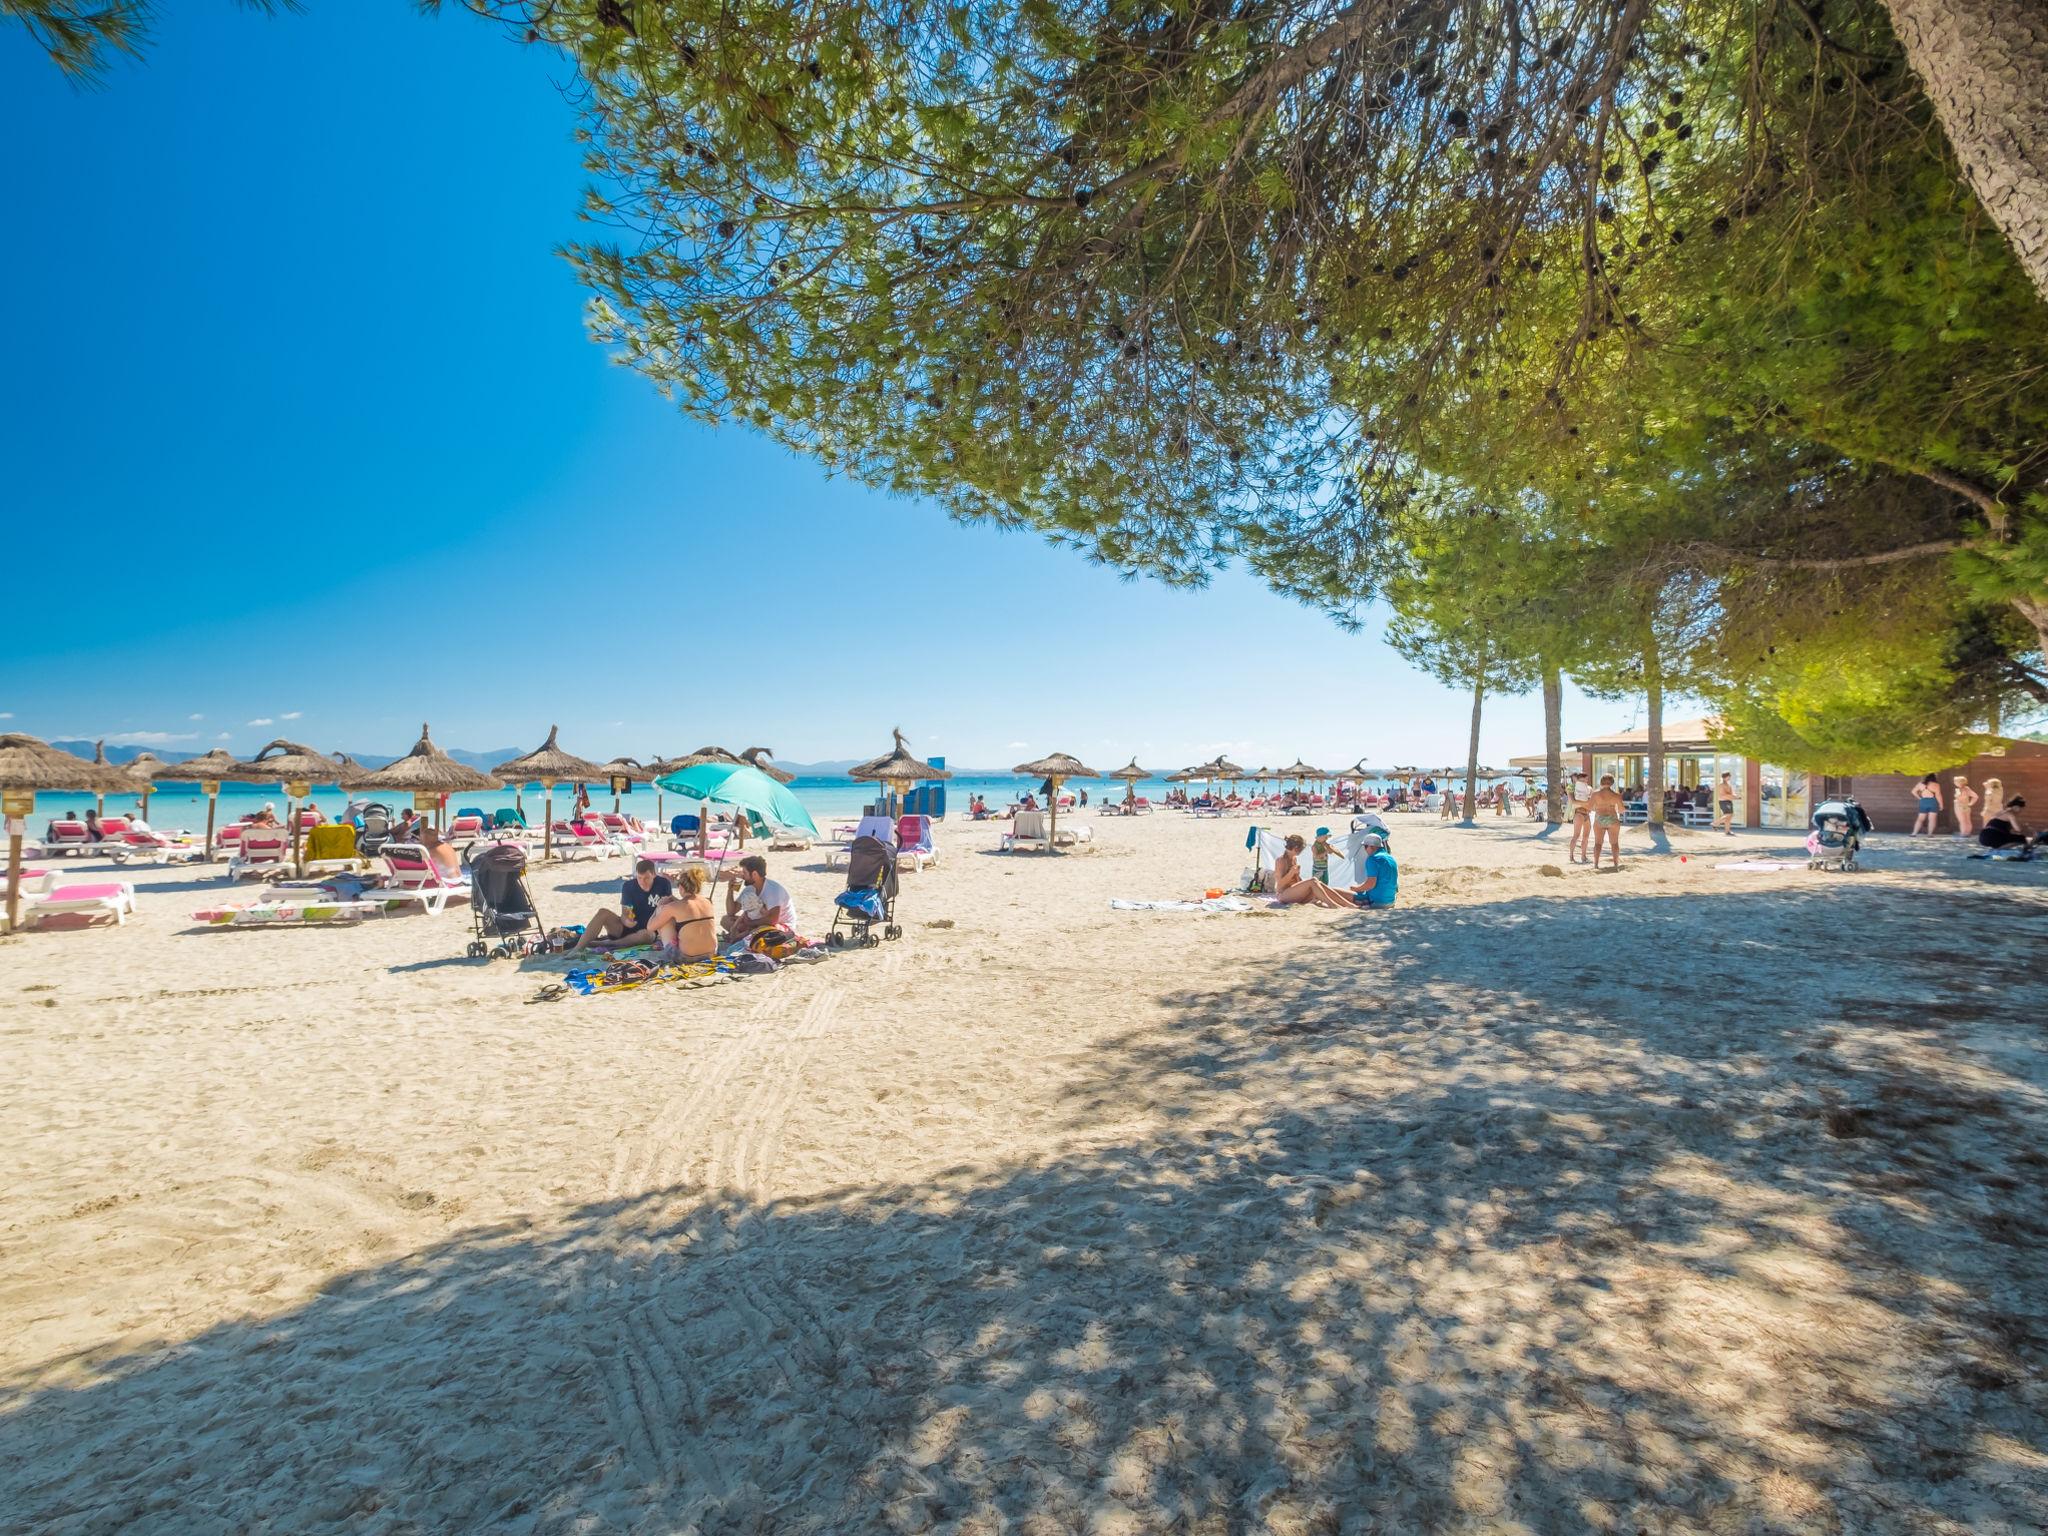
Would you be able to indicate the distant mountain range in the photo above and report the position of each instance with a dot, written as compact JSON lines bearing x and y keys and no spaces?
{"x":830,"y":768}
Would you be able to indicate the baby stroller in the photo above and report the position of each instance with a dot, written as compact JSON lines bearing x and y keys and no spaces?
{"x":499,"y":902}
{"x":869,"y":897}
{"x":376,"y":829}
{"x":1837,"y":835}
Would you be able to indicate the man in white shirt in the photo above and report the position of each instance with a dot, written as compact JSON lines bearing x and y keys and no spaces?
{"x":754,"y":902}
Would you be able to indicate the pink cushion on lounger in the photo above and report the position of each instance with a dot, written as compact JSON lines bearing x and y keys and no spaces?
{"x":87,"y":893}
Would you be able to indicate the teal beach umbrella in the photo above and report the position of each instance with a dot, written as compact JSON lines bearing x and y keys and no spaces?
{"x":740,"y":785}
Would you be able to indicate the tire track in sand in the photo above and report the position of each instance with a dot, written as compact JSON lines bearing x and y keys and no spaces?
{"x":684,"y":1345}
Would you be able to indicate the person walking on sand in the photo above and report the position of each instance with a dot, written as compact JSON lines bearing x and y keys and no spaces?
{"x":1927,"y":806}
{"x":1724,"y":804}
{"x":1605,"y":803}
{"x":1963,"y":799}
{"x":1582,"y":816}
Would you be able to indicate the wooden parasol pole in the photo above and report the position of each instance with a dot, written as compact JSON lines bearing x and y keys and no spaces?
{"x":1052,"y":838}
{"x":212,"y":789}
{"x":547,"y":820}
{"x":19,"y":803}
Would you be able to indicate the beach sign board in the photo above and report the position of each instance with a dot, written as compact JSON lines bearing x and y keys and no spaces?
{"x":17,"y":802}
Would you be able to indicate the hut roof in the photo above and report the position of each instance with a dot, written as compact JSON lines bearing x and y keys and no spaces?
{"x":1224,"y":768}
{"x":548,"y":761}
{"x":425,"y":769}
{"x":1059,"y":765}
{"x":215,"y":765}
{"x":286,"y":762}
{"x":1131,"y":772}
{"x":1300,"y":770}
{"x":628,"y":768}
{"x":28,"y":763}
{"x":763,"y":759}
{"x":144,"y":767}
{"x":897,"y":766}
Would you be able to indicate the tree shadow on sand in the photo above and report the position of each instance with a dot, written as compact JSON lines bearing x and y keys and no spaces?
{"x":1516,"y":1217}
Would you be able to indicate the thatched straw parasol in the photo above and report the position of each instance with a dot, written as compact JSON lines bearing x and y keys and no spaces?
{"x":207,"y":772}
{"x":548,"y":765}
{"x":631,"y":769}
{"x":1298,"y":770}
{"x":1130,"y":773}
{"x":28,"y":765}
{"x":763,"y":759}
{"x":897,"y":770}
{"x":143,"y":767}
{"x":1056,"y":770}
{"x":295,"y":768}
{"x":426,"y":770}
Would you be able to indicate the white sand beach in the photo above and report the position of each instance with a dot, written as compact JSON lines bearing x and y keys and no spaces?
{"x":1679,"y":1200}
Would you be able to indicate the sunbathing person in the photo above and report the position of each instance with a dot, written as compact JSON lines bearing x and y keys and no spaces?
{"x":684,"y":928}
{"x":447,"y":862}
{"x":1292,"y":888}
{"x":639,"y":895}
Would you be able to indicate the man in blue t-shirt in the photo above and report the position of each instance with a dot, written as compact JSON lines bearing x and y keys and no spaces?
{"x":1382,"y":875}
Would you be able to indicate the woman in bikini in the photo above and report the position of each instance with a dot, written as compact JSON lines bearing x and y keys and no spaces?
{"x":1927,"y":803}
{"x":1963,"y":799}
{"x":684,"y":925}
{"x":1292,"y":888}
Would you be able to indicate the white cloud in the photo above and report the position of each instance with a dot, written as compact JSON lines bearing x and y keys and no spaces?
{"x":150,"y":738}
{"x":6,"y":714}
{"x":266,"y":720}
{"x":195,"y":717}
{"x":1017,"y":746}
{"x":224,"y":736}
{"x":290,"y":714}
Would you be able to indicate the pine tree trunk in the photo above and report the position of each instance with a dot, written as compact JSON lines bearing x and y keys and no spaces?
{"x":1653,"y":683}
{"x":1984,"y":65}
{"x":1553,"y":743}
{"x":1472,"y":749}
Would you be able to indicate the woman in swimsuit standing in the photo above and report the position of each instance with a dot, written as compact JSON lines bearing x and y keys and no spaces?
{"x":685,"y":924}
{"x":1927,"y":795}
{"x":1963,"y":799}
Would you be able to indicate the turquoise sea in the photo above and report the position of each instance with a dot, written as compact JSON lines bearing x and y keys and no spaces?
{"x":174,"y":806}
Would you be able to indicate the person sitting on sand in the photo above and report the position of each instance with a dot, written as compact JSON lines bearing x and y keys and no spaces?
{"x":1606,"y":806}
{"x":754,"y":902}
{"x":684,"y":928}
{"x":1292,"y":888}
{"x":1382,"y":882}
{"x":639,"y":895}
{"x":2006,"y":829}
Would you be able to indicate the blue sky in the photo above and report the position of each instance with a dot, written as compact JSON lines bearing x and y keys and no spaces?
{"x":301,"y":425}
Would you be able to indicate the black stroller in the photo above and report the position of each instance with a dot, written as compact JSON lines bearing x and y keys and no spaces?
{"x":499,"y":902}
{"x":869,"y":898}
{"x":1837,"y":835}
{"x":376,"y":829}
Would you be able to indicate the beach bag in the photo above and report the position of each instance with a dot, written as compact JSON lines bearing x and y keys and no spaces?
{"x":775,"y":943}
{"x":747,"y":963}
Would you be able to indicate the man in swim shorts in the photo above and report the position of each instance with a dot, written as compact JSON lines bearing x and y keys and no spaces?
{"x":1605,"y":804}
